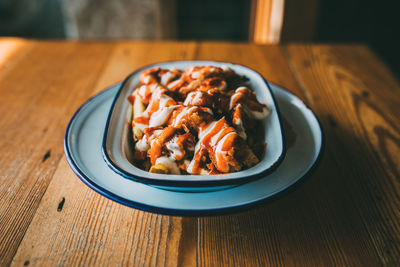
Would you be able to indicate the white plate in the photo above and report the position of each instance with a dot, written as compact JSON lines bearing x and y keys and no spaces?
{"x":117,"y":146}
{"x":83,"y":142}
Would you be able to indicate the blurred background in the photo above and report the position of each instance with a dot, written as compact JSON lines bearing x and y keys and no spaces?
{"x":374,"y":23}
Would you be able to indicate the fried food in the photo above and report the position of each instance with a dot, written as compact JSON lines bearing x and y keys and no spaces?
{"x":198,"y":121}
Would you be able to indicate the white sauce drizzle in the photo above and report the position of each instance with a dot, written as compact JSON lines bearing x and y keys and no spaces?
{"x":190,"y":166}
{"x":184,"y":111}
{"x":146,"y":79}
{"x":195,"y":75}
{"x":216,"y":137}
{"x":140,"y":125}
{"x":170,"y":164}
{"x":222,"y":87}
{"x":238,"y":92}
{"x":164,"y":100}
{"x":193,"y":98}
{"x":202,"y":134}
{"x":154,"y":136}
{"x":260,"y":115}
{"x":142,"y":144}
{"x":166,"y":77}
{"x":240,"y":128}
{"x":218,"y":151}
{"x":176,"y":150}
{"x":207,"y":130}
{"x":173,"y":84}
{"x":218,"y":148}
{"x":161,"y":116}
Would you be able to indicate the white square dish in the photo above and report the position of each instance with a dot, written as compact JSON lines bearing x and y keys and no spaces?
{"x":118,"y":144}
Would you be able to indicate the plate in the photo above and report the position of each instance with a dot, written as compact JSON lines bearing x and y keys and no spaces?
{"x":117,"y":146}
{"x":83,"y":142}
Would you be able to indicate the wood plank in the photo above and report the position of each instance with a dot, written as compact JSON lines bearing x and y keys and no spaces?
{"x":130,"y":56}
{"x":316,"y":225}
{"x":345,"y":214}
{"x":359,"y":104}
{"x":265,"y":59}
{"x":92,"y":230}
{"x":31,"y":104}
{"x":12,"y":50}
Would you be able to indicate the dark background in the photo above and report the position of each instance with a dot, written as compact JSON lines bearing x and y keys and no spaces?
{"x":374,"y":23}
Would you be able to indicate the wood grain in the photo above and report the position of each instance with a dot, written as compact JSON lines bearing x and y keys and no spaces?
{"x":36,"y":91}
{"x":345,"y":214}
{"x":360,"y":109}
{"x":265,"y":59}
{"x":312,"y":226}
{"x":92,"y":230}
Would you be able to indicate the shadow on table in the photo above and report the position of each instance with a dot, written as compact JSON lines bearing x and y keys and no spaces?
{"x":323,"y":219}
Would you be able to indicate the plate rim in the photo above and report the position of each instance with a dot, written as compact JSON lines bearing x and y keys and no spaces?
{"x":190,"y":183}
{"x":188,"y":212}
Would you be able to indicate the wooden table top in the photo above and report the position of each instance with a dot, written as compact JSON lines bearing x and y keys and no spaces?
{"x":346,"y":213}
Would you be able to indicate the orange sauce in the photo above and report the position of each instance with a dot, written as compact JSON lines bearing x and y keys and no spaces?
{"x":155,"y":150}
{"x":206,"y":98}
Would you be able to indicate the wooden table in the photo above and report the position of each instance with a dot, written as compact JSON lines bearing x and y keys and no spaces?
{"x":347,"y":212}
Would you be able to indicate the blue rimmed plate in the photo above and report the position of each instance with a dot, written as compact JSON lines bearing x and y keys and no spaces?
{"x":117,"y":148}
{"x":83,"y":141}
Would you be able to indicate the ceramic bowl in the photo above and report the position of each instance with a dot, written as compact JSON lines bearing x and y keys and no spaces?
{"x":118,"y":144}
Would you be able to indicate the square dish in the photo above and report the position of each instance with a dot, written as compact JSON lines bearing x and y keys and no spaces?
{"x":118,"y":144}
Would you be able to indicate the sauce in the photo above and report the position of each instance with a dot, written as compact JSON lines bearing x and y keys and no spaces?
{"x":156,"y":146}
{"x":197,"y":135}
{"x":244,"y":96}
{"x":160,"y":117}
{"x":169,"y":163}
{"x":213,"y":140}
